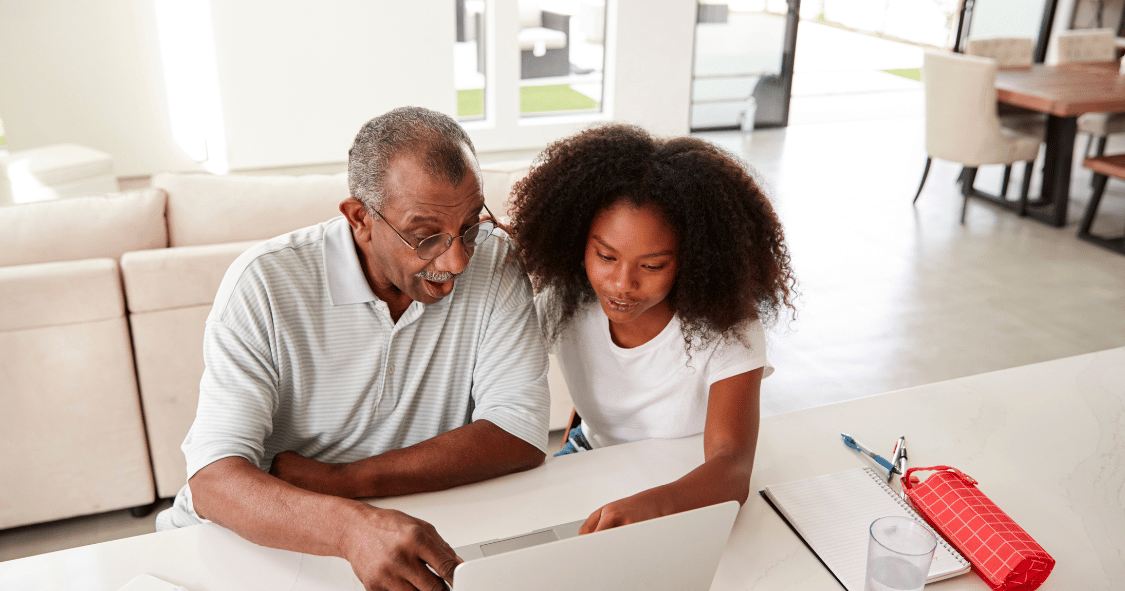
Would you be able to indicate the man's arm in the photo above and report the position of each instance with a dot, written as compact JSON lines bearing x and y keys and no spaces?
{"x":387,"y":549}
{"x":477,"y":451}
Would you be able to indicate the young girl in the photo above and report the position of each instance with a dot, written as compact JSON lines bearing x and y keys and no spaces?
{"x":655,"y":263}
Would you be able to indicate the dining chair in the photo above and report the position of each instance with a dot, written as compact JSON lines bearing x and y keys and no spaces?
{"x":1011,"y":53}
{"x":1092,"y":45}
{"x":1103,"y":167}
{"x":962,"y":125}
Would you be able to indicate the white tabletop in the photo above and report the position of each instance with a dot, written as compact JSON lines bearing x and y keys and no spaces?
{"x":1046,"y":442}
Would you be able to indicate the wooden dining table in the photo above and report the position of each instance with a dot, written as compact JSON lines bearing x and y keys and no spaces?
{"x":1063,"y":92}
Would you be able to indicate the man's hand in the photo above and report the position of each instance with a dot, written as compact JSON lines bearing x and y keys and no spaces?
{"x":390,"y":550}
{"x":642,"y":506}
{"x":311,"y":475}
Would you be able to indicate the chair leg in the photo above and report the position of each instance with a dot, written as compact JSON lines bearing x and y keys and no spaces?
{"x":925,"y":173}
{"x":1100,"y":181}
{"x":1100,"y":150}
{"x":969,"y":175}
{"x":1025,"y":187}
{"x":1089,"y":142}
{"x":1007,"y":179}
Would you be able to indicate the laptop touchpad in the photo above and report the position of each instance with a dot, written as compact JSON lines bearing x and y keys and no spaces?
{"x":518,"y":542}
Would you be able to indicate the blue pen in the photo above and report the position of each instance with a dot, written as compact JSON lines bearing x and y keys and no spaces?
{"x":861,"y":448}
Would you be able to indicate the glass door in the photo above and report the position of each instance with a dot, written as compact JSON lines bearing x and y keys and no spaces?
{"x":743,"y":65}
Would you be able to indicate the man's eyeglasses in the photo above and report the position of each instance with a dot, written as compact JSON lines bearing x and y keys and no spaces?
{"x":436,"y":245}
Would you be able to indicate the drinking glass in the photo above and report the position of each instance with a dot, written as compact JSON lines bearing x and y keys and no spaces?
{"x":899,"y":552}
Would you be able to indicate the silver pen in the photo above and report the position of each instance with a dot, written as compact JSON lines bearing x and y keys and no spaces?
{"x":900,"y":462}
{"x":898,"y":457}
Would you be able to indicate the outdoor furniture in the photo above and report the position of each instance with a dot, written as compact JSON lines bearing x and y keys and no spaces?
{"x":544,"y":42}
{"x":1094,"y":45}
{"x":712,"y":11}
{"x":962,"y":125}
{"x":1011,"y":53}
{"x":1062,"y":92}
{"x":1103,"y":167}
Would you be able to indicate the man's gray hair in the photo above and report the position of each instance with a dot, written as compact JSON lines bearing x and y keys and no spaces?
{"x":433,"y":136}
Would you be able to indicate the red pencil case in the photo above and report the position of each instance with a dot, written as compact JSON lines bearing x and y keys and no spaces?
{"x":1003,"y":554}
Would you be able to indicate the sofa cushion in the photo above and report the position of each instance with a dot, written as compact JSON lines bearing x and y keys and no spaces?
{"x":207,"y":209}
{"x":56,"y":294}
{"x":70,"y":424}
{"x":177,"y":277}
{"x":88,"y":227}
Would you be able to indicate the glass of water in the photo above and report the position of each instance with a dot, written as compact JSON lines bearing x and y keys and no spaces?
{"x":899,"y":552}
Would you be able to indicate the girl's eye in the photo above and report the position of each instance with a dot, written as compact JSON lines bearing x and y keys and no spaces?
{"x":652,"y":268}
{"x":604,"y":257}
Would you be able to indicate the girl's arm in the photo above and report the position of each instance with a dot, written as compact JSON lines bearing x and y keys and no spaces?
{"x":729,"y":440}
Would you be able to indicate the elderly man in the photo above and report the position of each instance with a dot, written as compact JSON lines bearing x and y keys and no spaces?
{"x":368,"y":356}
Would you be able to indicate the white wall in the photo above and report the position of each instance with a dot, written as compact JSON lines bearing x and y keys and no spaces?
{"x":297,"y":79}
{"x":655,"y":40}
{"x":86,"y":73}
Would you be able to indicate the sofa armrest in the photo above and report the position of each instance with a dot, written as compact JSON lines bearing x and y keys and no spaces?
{"x":56,"y":294}
{"x":177,"y":277}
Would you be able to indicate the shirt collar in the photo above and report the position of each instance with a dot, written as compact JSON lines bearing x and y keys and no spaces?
{"x":346,"y":282}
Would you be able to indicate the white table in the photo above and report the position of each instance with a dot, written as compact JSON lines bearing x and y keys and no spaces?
{"x":1046,"y":442}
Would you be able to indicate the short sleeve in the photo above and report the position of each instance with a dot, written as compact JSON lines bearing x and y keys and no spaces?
{"x":238,"y":392}
{"x":510,"y":378}
{"x":737,"y":356}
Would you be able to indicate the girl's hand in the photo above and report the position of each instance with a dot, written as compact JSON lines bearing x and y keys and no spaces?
{"x":642,"y":506}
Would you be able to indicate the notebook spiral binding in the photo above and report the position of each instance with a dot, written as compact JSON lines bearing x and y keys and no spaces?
{"x":910,"y":509}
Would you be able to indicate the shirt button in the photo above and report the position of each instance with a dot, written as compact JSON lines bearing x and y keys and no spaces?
{"x":390,"y":369}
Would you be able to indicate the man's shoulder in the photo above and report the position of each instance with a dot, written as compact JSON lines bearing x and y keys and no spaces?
{"x":496,"y":260}
{"x":307,"y":242}
{"x":285,"y":261}
{"x":494,"y":279}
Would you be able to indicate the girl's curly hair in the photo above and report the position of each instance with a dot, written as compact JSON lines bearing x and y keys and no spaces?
{"x":733,"y":265}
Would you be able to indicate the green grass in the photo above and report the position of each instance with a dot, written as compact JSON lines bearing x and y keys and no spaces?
{"x":533,"y":99}
{"x":554,"y":97}
{"x":912,"y":73}
{"x":470,"y":103}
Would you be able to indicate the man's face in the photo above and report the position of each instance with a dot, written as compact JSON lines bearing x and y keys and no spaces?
{"x":418,"y":206}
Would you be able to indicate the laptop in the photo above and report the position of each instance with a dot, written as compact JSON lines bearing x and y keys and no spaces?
{"x":677,"y":552}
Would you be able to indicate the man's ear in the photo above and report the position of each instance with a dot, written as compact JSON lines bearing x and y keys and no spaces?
{"x":356,"y":214}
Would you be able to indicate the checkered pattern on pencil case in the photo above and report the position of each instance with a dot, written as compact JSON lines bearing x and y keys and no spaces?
{"x":1004,"y":555}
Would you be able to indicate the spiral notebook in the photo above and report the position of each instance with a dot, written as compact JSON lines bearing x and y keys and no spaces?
{"x":832,"y":514}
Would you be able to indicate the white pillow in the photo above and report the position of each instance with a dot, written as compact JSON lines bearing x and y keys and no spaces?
{"x":208,"y":209}
{"x":94,"y":226}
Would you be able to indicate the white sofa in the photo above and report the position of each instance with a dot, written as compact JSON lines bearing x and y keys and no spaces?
{"x":71,"y":427}
{"x":87,"y":344}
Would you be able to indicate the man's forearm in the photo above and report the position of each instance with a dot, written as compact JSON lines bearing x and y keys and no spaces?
{"x":386,"y":548}
{"x":475,"y":452}
{"x":267,"y":511}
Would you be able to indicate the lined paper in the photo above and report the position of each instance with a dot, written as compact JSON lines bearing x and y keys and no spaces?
{"x":833,"y":513}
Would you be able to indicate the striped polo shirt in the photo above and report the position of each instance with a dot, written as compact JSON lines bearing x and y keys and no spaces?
{"x":301,"y":355}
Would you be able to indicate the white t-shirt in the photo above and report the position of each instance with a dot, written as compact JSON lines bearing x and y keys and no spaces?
{"x":653,"y":391}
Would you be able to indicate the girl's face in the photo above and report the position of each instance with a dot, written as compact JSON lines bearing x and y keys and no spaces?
{"x":631,"y":263}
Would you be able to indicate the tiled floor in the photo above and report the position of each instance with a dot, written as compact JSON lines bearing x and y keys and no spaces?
{"x":892,"y":295}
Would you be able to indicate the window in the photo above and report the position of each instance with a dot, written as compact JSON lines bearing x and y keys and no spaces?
{"x":469,"y":59}
{"x":562,"y":56}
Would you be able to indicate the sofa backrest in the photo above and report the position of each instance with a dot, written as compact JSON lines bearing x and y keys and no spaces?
{"x":207,"y":209}
{"x":93,"y":226}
